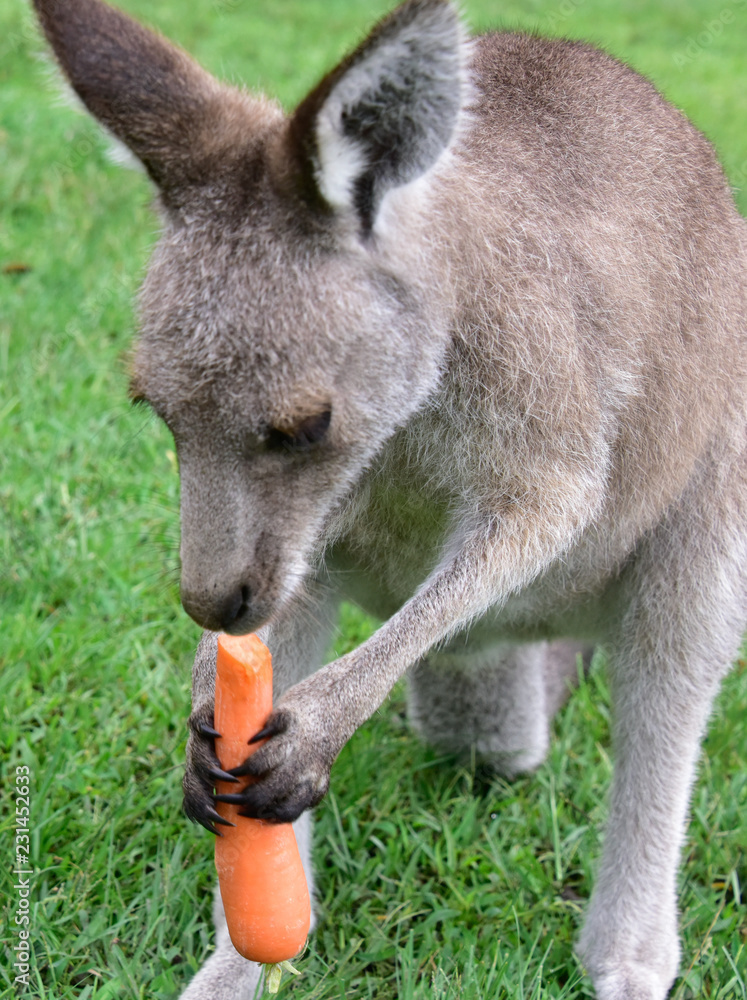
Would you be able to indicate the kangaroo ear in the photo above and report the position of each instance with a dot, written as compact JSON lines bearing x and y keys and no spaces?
{"x":149,"y":93}
{"x":387,"y":112}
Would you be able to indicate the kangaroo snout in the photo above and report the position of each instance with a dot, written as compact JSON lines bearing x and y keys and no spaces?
{"x":230,"y":588}
{"x":230,"y":568}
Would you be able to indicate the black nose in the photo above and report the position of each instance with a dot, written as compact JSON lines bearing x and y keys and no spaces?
{"x":230,"y":612}
{"x":234,"y":608}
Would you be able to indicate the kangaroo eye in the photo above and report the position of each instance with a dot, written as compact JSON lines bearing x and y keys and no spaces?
{"x":303,"y":436}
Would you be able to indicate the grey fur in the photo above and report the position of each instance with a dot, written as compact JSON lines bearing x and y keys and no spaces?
{"x":499,"y":400}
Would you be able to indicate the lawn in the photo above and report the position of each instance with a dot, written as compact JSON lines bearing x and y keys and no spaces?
{"x":431,"y":882}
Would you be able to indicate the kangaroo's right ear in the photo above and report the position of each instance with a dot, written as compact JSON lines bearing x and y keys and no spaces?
{"x":387,"y":112}
{"x":148,"y":92}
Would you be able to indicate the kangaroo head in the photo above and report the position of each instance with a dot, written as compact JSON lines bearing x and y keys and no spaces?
{"x":282,"y":339}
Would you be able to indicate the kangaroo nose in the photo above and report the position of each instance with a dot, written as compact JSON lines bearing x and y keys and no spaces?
{"x":229,"y":613}
{"x":234,"y":608}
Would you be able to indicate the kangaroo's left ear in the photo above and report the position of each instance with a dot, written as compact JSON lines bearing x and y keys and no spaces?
{"x":384,"y":116}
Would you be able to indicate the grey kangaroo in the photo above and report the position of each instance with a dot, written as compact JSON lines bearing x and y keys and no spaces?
{"x":462,"y":339}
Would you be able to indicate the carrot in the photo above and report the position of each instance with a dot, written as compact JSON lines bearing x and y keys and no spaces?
{"x":261,"y":877}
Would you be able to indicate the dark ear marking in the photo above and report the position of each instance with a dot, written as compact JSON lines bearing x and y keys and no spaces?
{"x":384,"y":116}
{"x":302,"y":436}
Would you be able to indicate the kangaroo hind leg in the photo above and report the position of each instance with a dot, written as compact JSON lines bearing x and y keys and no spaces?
{"x":496,"y":701}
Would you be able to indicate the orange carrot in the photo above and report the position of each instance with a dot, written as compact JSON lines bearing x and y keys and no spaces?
{"x":262,"y":881}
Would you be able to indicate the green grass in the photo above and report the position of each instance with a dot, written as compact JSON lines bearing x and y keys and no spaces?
{"x":430,"y":883}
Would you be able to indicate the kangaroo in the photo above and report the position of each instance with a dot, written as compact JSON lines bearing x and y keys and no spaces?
{"x":461,"y":339}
